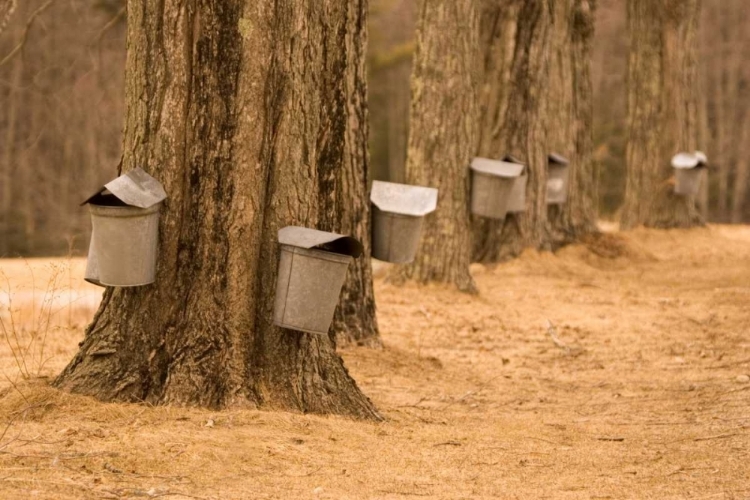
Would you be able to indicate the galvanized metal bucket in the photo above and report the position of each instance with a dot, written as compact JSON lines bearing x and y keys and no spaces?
{"x":92,"y":265}
{"x":517,"y":197}
{"x":558,"y":173}
{"x":689,"y":172}
{"x":397,"y":214}
{"x":395,"y":237}
{"x":491,"y":184}
{"x":125,"y":244}
{"x":312,"y":270}
{"x":125,"y":234}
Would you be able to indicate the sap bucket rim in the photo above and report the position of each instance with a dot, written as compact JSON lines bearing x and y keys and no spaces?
{"x":313,"y":239}
{"x":687,"y":161}
{"x":497,"y":168}
{"x":557,"y":159}
{"x":135,"y":188}
{"x":403,"y":199}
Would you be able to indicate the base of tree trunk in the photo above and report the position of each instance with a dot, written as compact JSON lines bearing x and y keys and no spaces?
{"x":667,"y":211}
{"x":566,"y":229}
{"x":122,"y":359}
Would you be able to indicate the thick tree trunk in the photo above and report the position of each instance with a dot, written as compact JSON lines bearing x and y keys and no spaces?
{"x":662,"y":110}
{"x":571,"y":118}
{"x":442,"y":136}
{"x":515,"y":42}
{"x":348,"y":211}
{"x":242,"y":110}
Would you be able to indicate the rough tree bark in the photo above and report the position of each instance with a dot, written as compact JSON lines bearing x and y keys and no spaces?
{"x":662,"y":110}
{"x":515,"y":42}
{"x":571,"y":114}
{"x":348,"y":210}
{"x":442,"y":136}
{"x":242,"y":110}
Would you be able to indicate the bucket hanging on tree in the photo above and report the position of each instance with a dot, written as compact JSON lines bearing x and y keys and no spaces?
{"x":491,"y":184}
{"x":312,"y":270}
{"x":125,"y":231}
{"x":397,"y":214}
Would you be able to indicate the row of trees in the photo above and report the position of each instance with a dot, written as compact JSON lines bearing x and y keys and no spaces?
{"x":254,"y":116}
{"x":523,"y":74}
{"x":61,"y":84}
{"x":61,"y":109}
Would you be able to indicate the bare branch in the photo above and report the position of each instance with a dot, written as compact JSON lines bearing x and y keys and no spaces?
{"x":9,"y":10}
{"x":112,"y":22}
{"x":26,"y":30}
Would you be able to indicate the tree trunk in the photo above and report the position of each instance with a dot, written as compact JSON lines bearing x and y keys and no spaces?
{"x":8,"y":158}
{"x":741,"y":179}
{"x":662,"y":110}
{"x":245,"y":115}
{"x":515,"y":42}
{"x":571,"y":118}
{"x":348,"y":211}
{"x":442,"y":137}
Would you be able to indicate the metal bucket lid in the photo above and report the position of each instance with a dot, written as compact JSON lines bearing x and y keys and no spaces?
{"x":685,"y":160}
{"x":305,"y":237}
{"x":497,"y":168}
{"x":403,"y":199}
{"x":702,"y":158}
{"x":135,"y":188}
{"x":512,"y":159}
{"x":557,"y":159}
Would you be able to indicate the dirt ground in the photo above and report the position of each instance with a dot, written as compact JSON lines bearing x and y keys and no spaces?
{"x":615,"y":369}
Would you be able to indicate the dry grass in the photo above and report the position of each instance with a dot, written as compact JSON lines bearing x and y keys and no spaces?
{"x":43,"y":303}
{"x":636,"y":391}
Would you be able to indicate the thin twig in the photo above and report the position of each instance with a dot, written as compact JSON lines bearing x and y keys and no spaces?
{"x":110,"y":24}
{"x":719,"y":436}
{"x":552,"y":331}
{"x":8,"y":15}
{"x":26,"y":30}
{"x":470,"y":393}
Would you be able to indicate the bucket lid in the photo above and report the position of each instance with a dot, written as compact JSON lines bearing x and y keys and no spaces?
{"x":686,"y":160}
{"x":702,"y":158}
{"x":305,"y":237}
{"x":512,"y":159}
{"x":497,"y":168}
{"x":557,"y":159}
{"x":403,"y":199}
{"x":135,"y":188}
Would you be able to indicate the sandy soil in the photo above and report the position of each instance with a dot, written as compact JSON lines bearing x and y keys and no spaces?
{"x":638,"y":389}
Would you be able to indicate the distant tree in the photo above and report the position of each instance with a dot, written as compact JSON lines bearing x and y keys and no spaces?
{"x":662,"y":110}
{"x":515,"y":43}
{"x":725,"y":100}
{"x":442,"y":136}
{"x":7,"y":7}
{"x":252,"y":115}
{"x":571,"y":113}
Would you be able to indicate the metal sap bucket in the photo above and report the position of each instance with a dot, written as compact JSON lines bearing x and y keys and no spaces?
{"x":558,"y":170}
{"x":312,"y":270}
{"x":491,"y":185}
{"x":397,"y":214}
{"x":126,"y":244}
{"x":125,"y":231}
{"x":517,"y":196}
{"x":92,"y":264}
{"x":689,"y":172}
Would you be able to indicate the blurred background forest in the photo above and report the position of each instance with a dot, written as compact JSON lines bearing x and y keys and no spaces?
{"x":62,"y":103}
